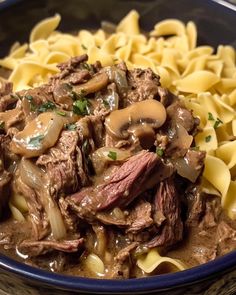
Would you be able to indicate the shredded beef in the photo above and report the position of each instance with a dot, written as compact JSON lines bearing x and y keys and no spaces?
{"x":36,"y":248}
{"x":167,"y":202}
{"x":60,"y":164}
{"x":5,"y":178}
{"x":121,"y":188}
{"x":226,"y":238}
{"x":140,"y":217}
{"x":143,"y":85}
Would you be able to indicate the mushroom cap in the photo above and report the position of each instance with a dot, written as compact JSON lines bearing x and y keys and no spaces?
{"x":149,"y":111}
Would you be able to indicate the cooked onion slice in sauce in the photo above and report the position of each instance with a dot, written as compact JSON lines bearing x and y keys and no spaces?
{"x":105,"y":155}
{"x":38,"y":135}
{"x":34,"y":177}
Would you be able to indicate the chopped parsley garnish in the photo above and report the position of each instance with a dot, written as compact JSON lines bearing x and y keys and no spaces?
{"x":36,"y":140}
{"x":217,"y":123}
{"x":71,"y":127}
{"x":61,"y":113}
{"x":87,"y":66}
{"x":2,"y":124}
{"x":159,"y":152}
{"x":112,"y":155}
{"x":106,"y":103}
{"x":80,"y":107}
{"x":210,"y":117}
{"x":84,"y":47}
{"x":208,"y":138}
{"x":75,"y":95}
{"x":46,"y":106}
{"x":30,"y":98}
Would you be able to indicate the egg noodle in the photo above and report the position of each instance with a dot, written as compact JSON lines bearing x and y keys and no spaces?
{"x":204,"y":78}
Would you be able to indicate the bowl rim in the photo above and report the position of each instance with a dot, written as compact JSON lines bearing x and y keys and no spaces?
{"x":206,"y":271}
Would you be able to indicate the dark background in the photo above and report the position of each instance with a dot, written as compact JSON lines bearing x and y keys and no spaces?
{"x":215,"y":25}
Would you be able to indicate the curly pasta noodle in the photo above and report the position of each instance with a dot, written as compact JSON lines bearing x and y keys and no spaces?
{"x":204,"y":78}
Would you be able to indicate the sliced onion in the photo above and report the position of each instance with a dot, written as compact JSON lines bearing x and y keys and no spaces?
{"x":184,"y":139}
{"x":19,"y":202}
{"x":185,"y":170}
{"x":119,"y":77}
{"x":100,"y":158}
{"x":94,"y":264}
{"x":56,"y":221}
{"x":33,"y":176}
{"x":16,"y":213}
{"x":38,"y":135}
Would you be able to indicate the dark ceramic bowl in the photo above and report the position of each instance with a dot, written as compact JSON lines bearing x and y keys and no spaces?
{"x":216,"y":23}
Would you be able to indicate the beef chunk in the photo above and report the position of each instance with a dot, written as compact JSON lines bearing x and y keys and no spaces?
{"x":5,"y":87}
{"x":36,"y":248}
{"x":167,"y":202}
{"x":6,"y":99}
{"x":143,"y":85}
{"x":140,"y":217}
{"x":178,"y":114}
{"x":226,"y":238}
{"x":60,"y":164}
{"x":204,"y":254}
{"x":195,"y":206}
{"x":122,"y":265}
{"x":212,"y":212}
{"x":5,"y":178}
{"x":70,"y":66}
{"x":123,"y":186}
{"x":6,"y":102}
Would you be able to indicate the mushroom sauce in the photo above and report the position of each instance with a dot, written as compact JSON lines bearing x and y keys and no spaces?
{"x":100,"y":176}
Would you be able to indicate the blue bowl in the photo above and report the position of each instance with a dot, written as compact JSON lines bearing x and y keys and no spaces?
{"x":216,"y":21}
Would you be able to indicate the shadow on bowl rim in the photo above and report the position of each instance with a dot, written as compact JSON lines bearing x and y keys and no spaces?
{"x":196,"y":274}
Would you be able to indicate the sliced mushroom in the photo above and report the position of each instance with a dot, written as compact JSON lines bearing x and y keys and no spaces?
{"x":64,"y":93}
{"x":121,"y":123}
{"x":38,"y":135}
{"x":98,"y":82}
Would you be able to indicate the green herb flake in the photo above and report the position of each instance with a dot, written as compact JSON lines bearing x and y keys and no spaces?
{"x":2,"y":125}
{"x":208,"y":138}
{"x":36,"y":141}
{"x":217,"y":123}
{"x":29,"y":97}
{"x":80,"y":107}
{"x":159,"y":152}
{"x":106,"y":103}
{"x":46,"y":106}
{"x":61,"y":113}
{"x":84,"y":47}
{"x":112,"y":155}
{"x":87,"y":66}
{"x":210,"y":117}
{"x":71,"y":127}
{"x":195,"y":148}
